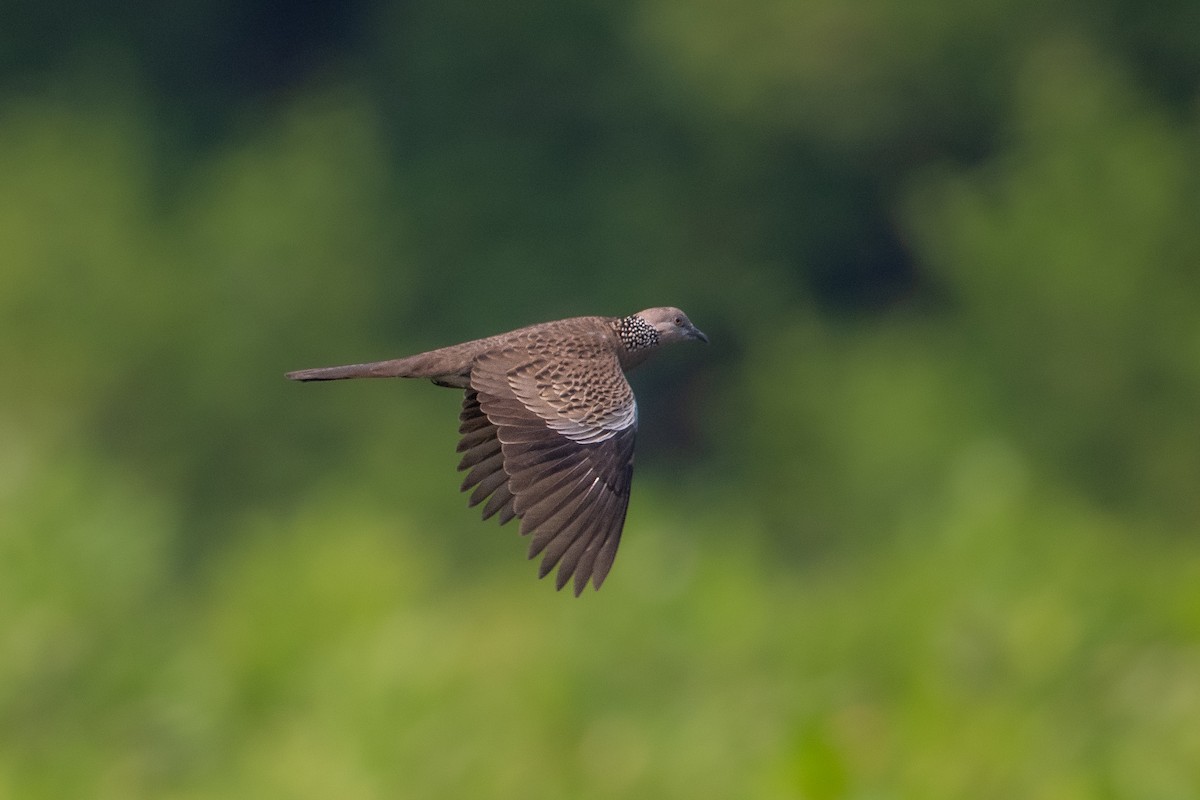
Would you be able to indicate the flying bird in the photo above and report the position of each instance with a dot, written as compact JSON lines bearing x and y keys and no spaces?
{"x":547,"y":424}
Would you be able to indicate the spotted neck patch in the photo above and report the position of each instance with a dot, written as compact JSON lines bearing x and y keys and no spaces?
{"x":636,"y":333}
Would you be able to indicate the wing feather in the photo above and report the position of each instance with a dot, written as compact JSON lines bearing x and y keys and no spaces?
{"x":551,"y":443}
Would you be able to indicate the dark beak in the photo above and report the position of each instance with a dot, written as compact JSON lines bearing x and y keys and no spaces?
{"x":696,"y":333}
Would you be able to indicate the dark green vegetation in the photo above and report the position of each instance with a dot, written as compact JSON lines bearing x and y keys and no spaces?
{"x":920,"y":523}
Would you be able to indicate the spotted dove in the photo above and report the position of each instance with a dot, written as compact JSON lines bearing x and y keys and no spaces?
{"x":547,"y":424}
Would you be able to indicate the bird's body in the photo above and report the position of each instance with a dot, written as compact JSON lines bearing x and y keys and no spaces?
{"x":548,"y":425}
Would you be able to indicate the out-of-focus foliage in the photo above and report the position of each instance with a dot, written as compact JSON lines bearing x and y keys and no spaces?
{"x":921,"y":521}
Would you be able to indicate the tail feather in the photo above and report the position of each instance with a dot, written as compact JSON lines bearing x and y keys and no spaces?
{"x":377,"y":369}
{"x":448,"y":366}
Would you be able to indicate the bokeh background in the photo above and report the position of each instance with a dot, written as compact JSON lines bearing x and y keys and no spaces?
{"x":920,"y":523}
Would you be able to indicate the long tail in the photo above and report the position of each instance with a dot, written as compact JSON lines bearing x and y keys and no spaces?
{"x":448,"y":366}
{"x":376,"y":369}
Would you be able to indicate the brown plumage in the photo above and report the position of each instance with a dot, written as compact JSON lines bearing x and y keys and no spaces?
{"x":548,"y":423}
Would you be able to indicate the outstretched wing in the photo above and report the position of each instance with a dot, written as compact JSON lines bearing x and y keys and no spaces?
{"x":551,"y":443}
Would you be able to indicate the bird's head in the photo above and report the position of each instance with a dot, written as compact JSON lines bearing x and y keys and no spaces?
{"x":671,"y":325}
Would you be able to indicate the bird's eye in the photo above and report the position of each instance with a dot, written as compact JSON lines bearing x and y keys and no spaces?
{"x":679,"y":320}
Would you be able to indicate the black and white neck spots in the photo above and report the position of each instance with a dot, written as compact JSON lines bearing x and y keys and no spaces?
{"x":636,"y":333}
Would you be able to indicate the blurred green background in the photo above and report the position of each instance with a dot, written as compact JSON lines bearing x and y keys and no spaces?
{"x":920,"y":523}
